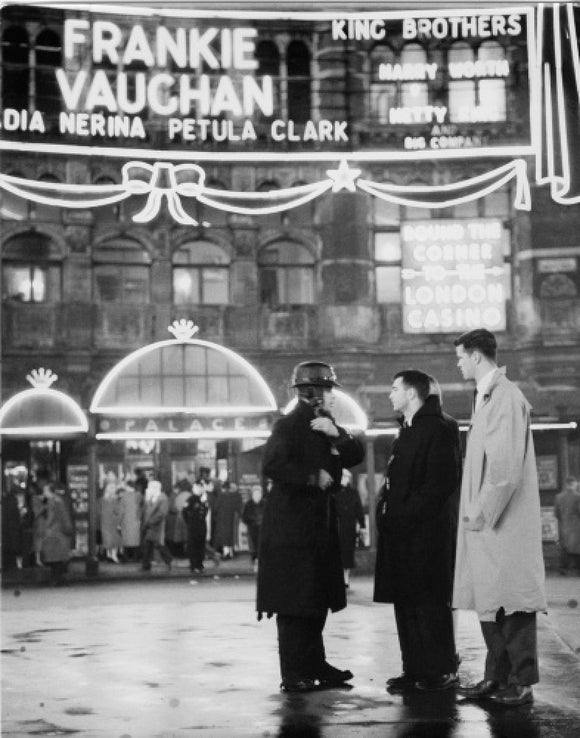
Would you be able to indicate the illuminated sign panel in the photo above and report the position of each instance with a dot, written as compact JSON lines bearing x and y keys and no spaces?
{"x":453,"y":275}
{"x":176,"y":426}
{"x":206,"y":85}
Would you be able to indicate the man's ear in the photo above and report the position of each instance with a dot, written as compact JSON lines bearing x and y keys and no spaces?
{"x":477,"y":356}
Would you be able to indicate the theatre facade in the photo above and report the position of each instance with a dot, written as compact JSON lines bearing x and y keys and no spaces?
{"x":354,"y":186}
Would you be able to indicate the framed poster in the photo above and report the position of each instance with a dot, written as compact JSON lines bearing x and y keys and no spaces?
{"x":547,"y":472}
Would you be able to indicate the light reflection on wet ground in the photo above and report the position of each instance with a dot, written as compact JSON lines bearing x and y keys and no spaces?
{"x":157,"y":660}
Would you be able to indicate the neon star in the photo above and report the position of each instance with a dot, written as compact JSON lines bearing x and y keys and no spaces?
{"x":343,"y":178}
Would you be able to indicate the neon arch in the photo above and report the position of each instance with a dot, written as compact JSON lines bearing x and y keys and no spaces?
{"x":183,"y":376}
{"x":347,"y":412}
{"x":42,"y":411}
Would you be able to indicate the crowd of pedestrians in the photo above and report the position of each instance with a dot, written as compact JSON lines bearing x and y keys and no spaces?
{"x":137,"y":521}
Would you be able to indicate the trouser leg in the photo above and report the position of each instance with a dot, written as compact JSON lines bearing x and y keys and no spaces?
{"x":300,"y":646}
{"x":164,"y":553}
{"x":564,"y":559}
{"x":512,"y":648}
{"x":196,"y":548}
{"x":435,"y":626}
{"x":402,"y":619}
{"x":148,"y":547}
{"x":427,"y":640}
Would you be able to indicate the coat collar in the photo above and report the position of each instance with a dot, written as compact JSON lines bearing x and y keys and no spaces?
{"x":431,"y":407}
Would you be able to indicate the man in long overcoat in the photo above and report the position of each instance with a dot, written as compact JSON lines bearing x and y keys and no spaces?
{"x":300,"y":573}
{"x":153,"y":525}
{"x":499,"y":569}
{"x":414,"y":569}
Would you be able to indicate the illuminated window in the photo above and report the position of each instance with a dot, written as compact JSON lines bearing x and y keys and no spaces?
{"x":31,"y":270}
{"x":15,"y":69}
{"x":387,"y":89}
{"x":121,"y":272}
{"x":286,"y":274}
{"x":387,"y":253}
{"x":201,"y":274}
{"x":48,"y":59}
{"x":298,"y":68}
{"x":477,"y":88}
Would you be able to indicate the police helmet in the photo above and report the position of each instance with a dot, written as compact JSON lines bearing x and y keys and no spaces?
{"x":313,"y":374}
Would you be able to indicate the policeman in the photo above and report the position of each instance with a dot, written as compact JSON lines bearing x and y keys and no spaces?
{"x":300,"y":574}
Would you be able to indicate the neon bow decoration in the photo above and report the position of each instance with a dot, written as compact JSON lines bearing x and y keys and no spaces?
{"x":179,"y":183}
{"x":163,"y":180}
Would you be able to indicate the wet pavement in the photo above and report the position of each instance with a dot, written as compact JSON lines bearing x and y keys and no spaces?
{"x":166,"y":657}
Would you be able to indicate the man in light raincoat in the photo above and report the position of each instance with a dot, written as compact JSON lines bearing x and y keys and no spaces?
{"x":499,"y":569}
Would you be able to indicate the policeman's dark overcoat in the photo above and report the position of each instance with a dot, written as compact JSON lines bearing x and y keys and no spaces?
{"x":416,"y":518}
{"x":300,"y":571}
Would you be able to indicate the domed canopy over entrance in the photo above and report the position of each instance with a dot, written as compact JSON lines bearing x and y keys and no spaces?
{"x":183,"y":388}
{"x":42,"y":412}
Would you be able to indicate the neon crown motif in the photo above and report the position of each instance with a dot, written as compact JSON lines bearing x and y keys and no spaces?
{"x":183,"y":329}
{"x":41,"y":378}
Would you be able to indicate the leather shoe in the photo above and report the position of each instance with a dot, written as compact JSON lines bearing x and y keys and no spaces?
{"x":400,"y":681}
{"x":480,"y":691}
{"x":445,"y":681}
{"x":300,"y":685}
{"x":331,"y":676}
{"x":514,"y":696}
{"x":401,"y":684}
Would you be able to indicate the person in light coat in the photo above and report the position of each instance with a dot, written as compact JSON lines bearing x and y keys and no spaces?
{"x":499,"y":569}
{"x":153,"y":519}
{"x":131,"y":505}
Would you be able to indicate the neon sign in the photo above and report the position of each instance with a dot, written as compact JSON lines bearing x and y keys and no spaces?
{"x":196,"y":61}
{"x":187,"y":78}
{"x":453,"y":275}
{"x":42,"y":411}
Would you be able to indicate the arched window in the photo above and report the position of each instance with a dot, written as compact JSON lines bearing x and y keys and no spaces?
{"x":387,"y":89}
{"x":121,"y":272}
{"x":48,"y":58}
{"x":268,"y":58}
{"x":201,"y":274}
{"x":298,"y":67}
{"x":15,"y":61}
{"x":286,"y":274}
{"x":31,"y":269}
{"x":476,"y":87}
